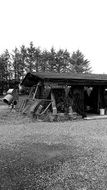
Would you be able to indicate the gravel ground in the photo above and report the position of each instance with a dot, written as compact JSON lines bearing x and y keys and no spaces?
{"x":52,"y":156}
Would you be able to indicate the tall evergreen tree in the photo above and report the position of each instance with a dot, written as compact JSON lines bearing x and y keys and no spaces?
{"x":2,"y":69}
{"x":79,"y":63}
{"x":38,"y":58}
{"x":62,"y":61}
{"x":52,"y":60}
{"x":59,"y":60}
{"x":4,"y":72}
{"x":32,"y":58}
{"x":66,"y":61}
{"x":45,"y":61}
{"x":23,"y":57}
{"x":17,"y":64}
{"x":6,"y":65}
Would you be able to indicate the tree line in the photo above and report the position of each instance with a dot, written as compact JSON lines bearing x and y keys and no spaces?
{"x":15,"y":65}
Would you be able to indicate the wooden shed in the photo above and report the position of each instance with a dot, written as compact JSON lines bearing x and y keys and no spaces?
{"x":68,"y":93}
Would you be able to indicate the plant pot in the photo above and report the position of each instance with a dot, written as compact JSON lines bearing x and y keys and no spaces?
{"x":102,"y":111}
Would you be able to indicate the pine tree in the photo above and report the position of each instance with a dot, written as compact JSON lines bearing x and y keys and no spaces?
{"x":79,"y":63}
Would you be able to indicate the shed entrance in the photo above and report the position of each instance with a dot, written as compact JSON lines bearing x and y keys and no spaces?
{"x":91,"y":100}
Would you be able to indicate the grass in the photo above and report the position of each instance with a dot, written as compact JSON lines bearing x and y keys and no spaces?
{"x":52,"y":156}
{"x":42,"y":166}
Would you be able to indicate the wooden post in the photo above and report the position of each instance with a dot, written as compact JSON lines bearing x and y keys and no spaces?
{"x":98,"y":103}
{"x":82,"y":101}
{"x":67,"y":89}
{"x":53,"y":104}
{"x":101,"y":97}
{"x":30,"y":94}
{"x":37,"y":86}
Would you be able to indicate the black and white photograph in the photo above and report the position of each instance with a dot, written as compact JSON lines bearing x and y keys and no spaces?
{"x":53,"y":95}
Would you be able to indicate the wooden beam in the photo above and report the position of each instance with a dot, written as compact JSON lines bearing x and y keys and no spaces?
{"x":54,"y":108}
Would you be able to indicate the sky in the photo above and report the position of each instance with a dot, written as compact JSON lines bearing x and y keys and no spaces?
{"x":65,"y":24}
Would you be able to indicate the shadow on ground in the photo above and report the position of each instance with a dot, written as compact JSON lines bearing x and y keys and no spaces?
{"x":39,"y":166}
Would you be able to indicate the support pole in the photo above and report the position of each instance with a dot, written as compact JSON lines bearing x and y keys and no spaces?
{"x":53,"y":104}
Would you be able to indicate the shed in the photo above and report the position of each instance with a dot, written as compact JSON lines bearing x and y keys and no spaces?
{"x":69,"y":92}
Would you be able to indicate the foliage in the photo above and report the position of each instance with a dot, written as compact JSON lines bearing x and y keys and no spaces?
{"x":79,"y":64}
{"x":15,"y":65}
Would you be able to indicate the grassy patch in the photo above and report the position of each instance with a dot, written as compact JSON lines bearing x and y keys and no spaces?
{"x":49,"y":167}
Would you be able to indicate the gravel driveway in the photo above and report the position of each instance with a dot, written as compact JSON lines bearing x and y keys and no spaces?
{"x":52,"y":156}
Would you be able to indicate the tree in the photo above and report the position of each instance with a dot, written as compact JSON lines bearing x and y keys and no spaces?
{"x":5,"y":65}
{"x":37,"y":58}
{"x":2,"y":68}
{"x":2,"y":74}
{"x":59,"y":60}
{"x":45,"y":61}
{"x":23,"y":56}
{"x":30,"y":59}
{"x":66,"y":64}
{"x":8,"y":64}
{"x":33,"y":58}
{"x":52,"y":60}
{"x":17,"y":64}
{"x":79,"y":64}
{"x":4,"y":71}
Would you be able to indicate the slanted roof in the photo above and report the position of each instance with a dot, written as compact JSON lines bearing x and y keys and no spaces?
{"x":32,"y":78}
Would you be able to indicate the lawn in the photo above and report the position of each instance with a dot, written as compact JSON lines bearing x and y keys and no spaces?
{"x":52,"y":156}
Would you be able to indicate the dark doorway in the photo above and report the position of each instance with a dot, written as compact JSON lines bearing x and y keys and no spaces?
{"x":60,"y":99}
{"x":91,"y":99}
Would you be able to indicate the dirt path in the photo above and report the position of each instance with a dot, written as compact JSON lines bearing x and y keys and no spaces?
{"x":52,"y":156}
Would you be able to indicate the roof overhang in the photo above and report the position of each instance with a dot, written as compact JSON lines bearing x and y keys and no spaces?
{"x":32,"y":78}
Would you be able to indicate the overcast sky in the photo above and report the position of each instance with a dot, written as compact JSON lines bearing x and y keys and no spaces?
{"x":66,"y":24}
